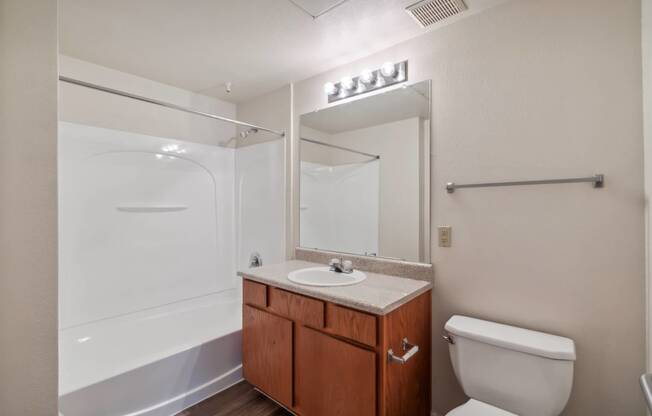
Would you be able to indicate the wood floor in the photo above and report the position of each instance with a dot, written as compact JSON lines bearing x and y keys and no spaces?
{"x":239,"y":400}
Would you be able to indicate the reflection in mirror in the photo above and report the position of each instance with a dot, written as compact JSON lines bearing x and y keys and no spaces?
{"x":365,"y":176}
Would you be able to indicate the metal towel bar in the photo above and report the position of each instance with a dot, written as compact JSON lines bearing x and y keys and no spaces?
{"x":596,"y":180}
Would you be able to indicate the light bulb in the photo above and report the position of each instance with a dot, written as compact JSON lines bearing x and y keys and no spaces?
{"x":330,"y":88}
{"x":388,"y":69}
{"x":346,"y":83}
{"x":367,"y":76}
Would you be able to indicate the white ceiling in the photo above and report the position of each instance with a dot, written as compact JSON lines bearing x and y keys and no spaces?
{"x":258,"y":45}
{"x":317,"y":8}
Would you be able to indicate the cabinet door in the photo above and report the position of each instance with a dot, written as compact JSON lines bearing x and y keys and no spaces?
{"x":267,"y":353}
{"x":407,"y":388}
{"x":333,"y":377}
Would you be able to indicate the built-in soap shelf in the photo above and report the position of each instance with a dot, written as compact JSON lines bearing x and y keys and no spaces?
{"x":151,"y":208}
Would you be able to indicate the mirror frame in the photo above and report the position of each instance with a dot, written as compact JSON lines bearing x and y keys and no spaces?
{"x":426,"y":238}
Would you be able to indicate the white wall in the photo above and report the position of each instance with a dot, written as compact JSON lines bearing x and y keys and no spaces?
{"x":96,"y":108}
{"x":537,"y":89}
{"x":28,"y":214}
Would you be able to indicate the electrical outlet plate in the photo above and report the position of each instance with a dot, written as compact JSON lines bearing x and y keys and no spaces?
{"x":445,"y":236}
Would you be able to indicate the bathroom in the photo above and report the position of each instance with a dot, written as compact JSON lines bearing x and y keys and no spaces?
{"x":184,"y":185}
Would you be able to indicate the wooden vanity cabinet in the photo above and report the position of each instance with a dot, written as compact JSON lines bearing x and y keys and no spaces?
{"x":322,"y":359}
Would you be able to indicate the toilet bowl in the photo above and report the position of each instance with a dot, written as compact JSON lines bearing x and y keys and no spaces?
{"x":509,"y":371}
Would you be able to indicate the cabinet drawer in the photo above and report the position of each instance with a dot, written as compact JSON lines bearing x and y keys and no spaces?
{"x":296,"y":307}
{"x":254,"y":293}
{"x":351,"y":324}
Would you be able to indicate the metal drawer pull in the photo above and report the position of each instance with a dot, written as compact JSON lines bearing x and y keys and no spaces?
{"x":411,"y":351}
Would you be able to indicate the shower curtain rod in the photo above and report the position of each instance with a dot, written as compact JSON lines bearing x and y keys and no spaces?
{"x":165,"y":104}
{"x":340,"y":147}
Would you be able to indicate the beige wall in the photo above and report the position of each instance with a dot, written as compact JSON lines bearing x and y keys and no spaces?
{"x":272,"y":110}
{"x":100,"y":109}
{"x":314,"y":153}
{"x":646,"y":37}
{"x":537,"y":89}
{"x":28,"y":214}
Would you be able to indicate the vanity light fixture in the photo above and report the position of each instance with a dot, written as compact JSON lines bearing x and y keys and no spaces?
{"x":389,"y":73}
{"x":388,"y":69}
{"x":330,"y":88}
{"x":347,"y":83}
{"x":367,"y":76}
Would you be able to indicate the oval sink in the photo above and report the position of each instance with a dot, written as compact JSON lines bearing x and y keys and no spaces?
{"x":323,"y":276}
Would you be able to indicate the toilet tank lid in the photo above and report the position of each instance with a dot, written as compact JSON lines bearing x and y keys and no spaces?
{"x":513,"y":338}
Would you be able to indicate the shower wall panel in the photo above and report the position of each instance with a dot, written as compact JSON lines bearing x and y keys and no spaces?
{"x":144,"y":221}
{"x":260,"y":202}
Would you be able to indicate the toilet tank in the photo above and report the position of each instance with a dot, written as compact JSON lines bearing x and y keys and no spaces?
{"x":525,"y":372}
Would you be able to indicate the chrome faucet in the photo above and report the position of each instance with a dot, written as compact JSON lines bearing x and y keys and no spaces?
{"x":255,"y":260}
{"x":340,"y":266}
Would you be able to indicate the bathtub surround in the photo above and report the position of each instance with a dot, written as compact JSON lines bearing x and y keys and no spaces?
{"x":259,"y":182}
{"x":136,"y":191}
{"x":28,"y":216}
{"x":526,"y":90}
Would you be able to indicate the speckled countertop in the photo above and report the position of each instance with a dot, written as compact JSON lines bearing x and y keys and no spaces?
{"x":378,"y":294}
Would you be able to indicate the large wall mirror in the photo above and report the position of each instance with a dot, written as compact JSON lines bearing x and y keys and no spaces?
{"x":365,"y":176}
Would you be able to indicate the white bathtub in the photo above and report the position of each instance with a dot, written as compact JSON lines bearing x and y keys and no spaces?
{"x":155,"y":362}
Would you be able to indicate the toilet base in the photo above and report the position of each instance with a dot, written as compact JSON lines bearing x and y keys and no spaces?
{"x":477,"y":408}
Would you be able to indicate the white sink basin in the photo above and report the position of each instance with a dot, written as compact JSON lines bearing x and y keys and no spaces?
{"x":322,"y":276}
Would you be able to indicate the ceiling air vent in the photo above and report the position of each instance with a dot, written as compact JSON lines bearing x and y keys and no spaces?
{"x":429,"y":12}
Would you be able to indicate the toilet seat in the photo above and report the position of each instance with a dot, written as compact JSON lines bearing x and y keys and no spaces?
{"x":477,"y":408}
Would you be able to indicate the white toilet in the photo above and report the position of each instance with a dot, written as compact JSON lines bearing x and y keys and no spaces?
{"x":508,"y":371}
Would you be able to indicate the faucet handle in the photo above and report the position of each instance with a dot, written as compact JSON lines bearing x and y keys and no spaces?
{"x":347,"y":266}
{"x":334,"y":262}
